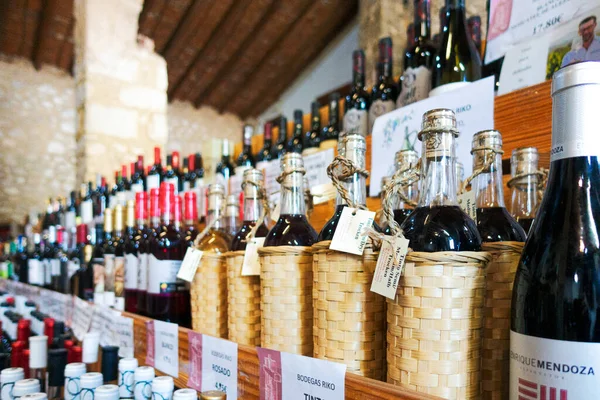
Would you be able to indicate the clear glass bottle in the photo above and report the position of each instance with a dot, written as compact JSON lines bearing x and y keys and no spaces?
{"x":406,"y":160}
{"x":253,"y":209}
{"x":292,"y":227}
{"x":525,"y":190}
{"x":232,"y":214}
{"x":494,"y":222}
{"x":217,"y":239}
{"x":438,"y":223}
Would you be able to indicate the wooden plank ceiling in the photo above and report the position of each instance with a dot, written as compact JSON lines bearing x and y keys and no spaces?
{"x":235,"y":55}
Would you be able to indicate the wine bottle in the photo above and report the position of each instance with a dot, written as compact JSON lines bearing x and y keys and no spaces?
{"x":555,"y":331}
{"x":246,"y":159}
{"x":156,"y":171}
{"x":137,"y":176}
{"x":253,"y":209}
{"x":312,"y":138}
{"x":133,"y":236}
{"x":38,"y":358}
{"x":292,"y":228}
{"x":189,"y":176}
{"x":217,"y":239}
{"x":118,"y":241}
{"x":438,"y":223}
{"x":281,"y":145}
{"x":170,"y":175}
{"x":405,"y":160}
{"x":146,"y":245}
{"x":168,"y":298}
{"x":296,"y":144}
{"x":266,"y":154}
{"x":460,"y":173}
{"x":35,"y":266}
{"x":494,"y":222}
{"x":57,"y":359}
{"x":385,"y":91}
{"x":457,"y":61}
{"x":21,"y":259}
{"x":331,"y":132}
{"x":107,"y":291}
{"x":83,"y":280}
{"x":199,"y":170}
{"x":49,"y":260}
{"x":524,"y":185}
{"x":474,"y":28}
{"x":418,"y":59}
{"x":354,"y":149}
{"x":358,"y":100}
{"x":224,"y":169}
{"x":232,"y":214}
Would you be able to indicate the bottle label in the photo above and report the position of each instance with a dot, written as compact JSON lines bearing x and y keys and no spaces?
{"x":153,"y":181}
{"x":378,"y":108}
{"x":109,"y":272}
{"x":142,"y":272}
{"x":553,"y":369}
{"x":175,"y":182}
{"x":416,"y":85}
{"x":137,"y":187}
{"x":73,"y":266}
{"x":186,"y":186}
{"x":119,"y":276}
{"x":356,"y":122}
{"x":47,"y":271}
{"x":162,"y":275}
{"x":132,"y":263}
{"x":55,"y":267}
{"x":35,"y":272}
{"x":98,"y":267}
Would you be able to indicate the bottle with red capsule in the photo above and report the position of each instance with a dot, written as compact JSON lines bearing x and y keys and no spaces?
{"x":190,"y":217}
{"x":146,"y":243}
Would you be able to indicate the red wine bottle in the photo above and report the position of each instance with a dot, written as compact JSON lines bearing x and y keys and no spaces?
{"x":266,"y":153}
{"x":331,"y":132}
{"x":494,"y":222}
{"x":292,"y":228}
{"x":282,"y":140}
{"x":358,"y":100}
{"x":253,"y":209}
{"x":150,"y":234}
{"x":312,"y":138}
{"x":190,"y":217}
{"x":133,"y":236}
{"x":406,"y":160}
{"x":555,"y":329}
{"x":296,"y":144}
{"x":246,"y":159}
{"x":385,"y":91}
{"x":438,"y":223}
{"x":154,"y":174}
{"x":524,"y":196}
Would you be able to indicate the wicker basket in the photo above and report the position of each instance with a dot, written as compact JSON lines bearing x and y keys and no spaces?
{"x":496,"y":328}
{"x":286,"y":279}
{"x":349,"y":319}
{"x":435,"y":322}
{"x":208,"y":294}
{"x":243,"y":301}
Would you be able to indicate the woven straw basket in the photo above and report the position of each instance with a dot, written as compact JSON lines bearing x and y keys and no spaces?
{"x":496,"y":327}
{"x":243,"y":301}
{"x":208,"y":293}
{"x":435,"y":323}
{"x":349,"y":319}
{"x":286,"y":279}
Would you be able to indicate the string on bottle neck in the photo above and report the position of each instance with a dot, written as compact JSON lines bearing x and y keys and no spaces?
{"x":266,"y":211}
{"x":489,"y":156}
{"x":341,"y":169}
{"x":208,"y":227}
{"x":541,"y":173}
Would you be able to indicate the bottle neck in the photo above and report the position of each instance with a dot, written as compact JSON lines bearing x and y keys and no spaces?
{"x":439,"y":186}
{"x":298,"y":129}
{"x":215,"y":213}
{"x":422,"y":20}
{"x":524,"y":197}
{"x":358,"y":78}
{"x":333,"y":114}
{"x":411,"y":192}
{"x":252,"y":208}
{"x":316,"y":122}
{"x":292,"y":198}
{"x":456,"y":17}
{"x":488,"y":185}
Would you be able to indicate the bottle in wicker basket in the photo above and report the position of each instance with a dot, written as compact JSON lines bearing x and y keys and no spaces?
{"x":406,"y":160}
{"x":253,"y":209}
{"x":524,"y":185}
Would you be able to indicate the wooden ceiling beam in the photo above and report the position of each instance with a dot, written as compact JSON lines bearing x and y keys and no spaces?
{"x":150,"y":16}
{"x":253,"y":50}
{"x":171,"y":17}
{"x":31,"y":22}
{"x":11,"y":26}
{"x":66,"y":59}
{"x":43,"y":25}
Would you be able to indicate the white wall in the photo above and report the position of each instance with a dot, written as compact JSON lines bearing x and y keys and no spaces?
{"x":332,"y":69}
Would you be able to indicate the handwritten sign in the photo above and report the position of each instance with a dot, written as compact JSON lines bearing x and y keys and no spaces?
{"x":389,"y":267}
{"x":124,"y":333}
{"x":316,"y":173}
{"x":82,"y":317}
{"x":166,"y":348}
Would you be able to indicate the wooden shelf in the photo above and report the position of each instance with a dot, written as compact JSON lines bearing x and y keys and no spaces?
{"x":357,"y":387}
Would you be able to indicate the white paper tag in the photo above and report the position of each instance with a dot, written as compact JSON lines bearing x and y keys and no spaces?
{"x":82,"y":317}
{"x":350,"y":235}
{"x":251,"y":265}
{"x":219,"y":366}
{"x":468,"y":202}
{"x":166,"y":348}
{"x":311,"y":378}
{"x":316,"y":167}
{"x":124,"y":330}
{"x":389,"y":267}
{"x":108,"y":318}
{"x":190,"y":264}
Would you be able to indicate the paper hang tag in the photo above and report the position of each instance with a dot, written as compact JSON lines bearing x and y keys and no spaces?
{"x":251,"y":264}
{"x":276,"y":212}
{"x":190,"y":264}
{"x":350,"y":235}
{"x":389,"y":267}
{"x":468,"y":202}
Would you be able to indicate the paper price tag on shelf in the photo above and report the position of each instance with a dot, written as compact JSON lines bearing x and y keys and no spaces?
{"x":350,"y":235}
{"x":108,"y":317}
{"x":389,"y":267}
{"x":190,"y":264}
{"x":150,"y":343}
{"x":251,"y":264}
{"x":316,"y":167}
{"x":468,"y":202}
{"x":290,"y":376}
{"x":124,"y":330}
{"x":166,"y":348}
{"x":82,"y":317}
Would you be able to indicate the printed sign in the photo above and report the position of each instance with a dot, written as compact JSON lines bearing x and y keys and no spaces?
{"x":166,"y":348}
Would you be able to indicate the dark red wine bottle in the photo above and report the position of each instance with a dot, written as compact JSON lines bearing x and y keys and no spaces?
{"x":406,"y":160}
{"x":146,"y":244}
{"x":292,"y":228}
{"x":358,"y":100}
{"x":296,"y":144}
{"x":312,"y":138}
{"x":246,"y":159}
{"x":133,"y":236}
{"x":555,"y":329}
{"x":156,"y":171}
{"x":525,"y":185}
{"x":385,"y":91}
{"x":494,"y":222}
{"x":253,"y":209}
{"x":190,"y":217}
{"x":438,"y":223}
{"x":266,"y":154}
{"x":282,"y":140}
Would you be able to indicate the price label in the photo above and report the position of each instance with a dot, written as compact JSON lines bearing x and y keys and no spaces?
{"x":389,"y":267}
{"x":124,"y":331}
{"x":82,"y":317}
{"x":108,"y":318}
{"x":166,"y":348}
{"x":468,"y":202}
{"x":290,"y":376}
{"x":190,"y":264}
{"x":251,"y":264}
{"x":213,"y":364}
{"x":350,"y":235}
{"x":316,"y":167}
{"x":150,"y":343}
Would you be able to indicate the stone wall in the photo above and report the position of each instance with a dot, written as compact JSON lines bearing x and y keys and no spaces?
{"x":37,"y":137}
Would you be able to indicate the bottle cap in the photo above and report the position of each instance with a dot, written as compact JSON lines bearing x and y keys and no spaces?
{"x":291,"y":162}
{"x":524,"y":160}
{"x":154,"y":202}
{"x":57,"y":359}
{"x":91,"y":341}
{"x":38,"y":356}
{"x":438,"y":120}
{"x":17,"y":352}
{"x":110,"y":363}
{"x":489,"y":139}
{"x":141,"y":199}
{"x":91,"y":380}
{"x":406,"y":159}
{"x":26,"y":386}
{"x":4,"y":361}
{"x":216,"y":188}
{"x":106,"y":392}
{"x":185,"y":394}
{"x":213,"y":395}
{"x":128,"y":364}
{"x":23,"y":329}
{"x":163,"y":385}
{"x":585,"y":73}
{"x":75,"y":370}
{"x":35,"y":396}
{"x":144,"y":373}
{"x":49,"y":329}
{"x":10,"y":375}
{"x":190,"y":206}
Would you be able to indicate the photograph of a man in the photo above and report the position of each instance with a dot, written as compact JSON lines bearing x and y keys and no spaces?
{"x":589,"y":48}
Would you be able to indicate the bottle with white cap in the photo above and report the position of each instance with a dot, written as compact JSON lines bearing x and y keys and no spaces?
{"x":73,"y":373}
{"x":91,"y":341}
{"x":35,"y":396}
{"x":107,"y":392}
{"x":127,"y":368}
{"x":143,"y":377}
{"x":38,"y":358}
{"x":89,"y":382}
{"x":185,"y":394}
{"x":162,"y":388}
{"x":8,"y":377}
{"x":25,"y":386}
